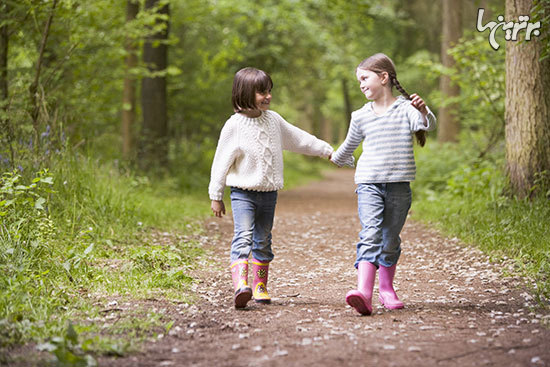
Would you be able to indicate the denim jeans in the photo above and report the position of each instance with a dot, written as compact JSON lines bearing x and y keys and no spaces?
{"x":383,"y":209}
{"x":253,"y":213}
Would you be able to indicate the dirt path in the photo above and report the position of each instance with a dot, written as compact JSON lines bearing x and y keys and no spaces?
{"x":459,"y":308}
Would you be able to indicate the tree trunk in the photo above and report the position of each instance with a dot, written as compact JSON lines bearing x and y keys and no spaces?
{"x":154,"y":150}
{"x":527,"y":107}
{"x":449,"y":125}
{"x":4,"y":41}
{"x":347,"y":101}
{"x":4,"y":91}
{"x":129,"y":91}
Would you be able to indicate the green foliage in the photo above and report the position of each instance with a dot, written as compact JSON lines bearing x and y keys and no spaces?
{"x":67,"y":351}
{"x":433,"y":174}
{"x":27,"y":248}
{"x":479,"y":72}
{"x":414,"y":75}
{"x":541,"y":13}
{"x":63,"y":232}
{"x":80,"y":85}
{"x":469,"y":201}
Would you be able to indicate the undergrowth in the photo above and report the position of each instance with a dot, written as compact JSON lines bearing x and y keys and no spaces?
{"x":83,"y":236}
{"x":465,"y":197}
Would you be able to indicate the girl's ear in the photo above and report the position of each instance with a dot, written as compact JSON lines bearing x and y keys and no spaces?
{"x":385,"y":77}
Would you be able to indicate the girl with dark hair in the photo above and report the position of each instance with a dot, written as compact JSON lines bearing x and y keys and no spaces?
{"x":249,"y":159}
{"x":383,"y":175}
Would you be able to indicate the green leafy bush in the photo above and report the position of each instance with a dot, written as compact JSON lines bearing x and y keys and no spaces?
{"x":62,"y":231}
{"x":470,"y":202}
{"x":479,"y":72}
{"x":27,"y":253}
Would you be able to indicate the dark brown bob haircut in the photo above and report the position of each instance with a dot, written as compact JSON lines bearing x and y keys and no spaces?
{"x":247,"y":82}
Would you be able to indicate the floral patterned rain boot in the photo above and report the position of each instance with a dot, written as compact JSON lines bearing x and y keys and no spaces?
{"x":259,"y":285}
{"x":361,"y":298}
{"x":387,"y":295}
{"x":239,"y":273}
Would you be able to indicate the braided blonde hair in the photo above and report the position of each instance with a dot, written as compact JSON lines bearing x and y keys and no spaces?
{"x":379,"y":63}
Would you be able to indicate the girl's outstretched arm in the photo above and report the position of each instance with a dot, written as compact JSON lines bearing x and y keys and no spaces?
{"x":344,"y":154}
{"x":297,"y":140}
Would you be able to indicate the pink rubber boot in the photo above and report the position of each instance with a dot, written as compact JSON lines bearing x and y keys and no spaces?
{"x":259,"y":285}
{"x":361,"y":298}
{"x":386,"y":292}
{"x":239,"y":273}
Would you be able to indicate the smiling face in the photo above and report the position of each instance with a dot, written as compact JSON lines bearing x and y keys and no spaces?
{"x":372,"y":84}
{"x":251,"y":91}
{"x":263,"y":100}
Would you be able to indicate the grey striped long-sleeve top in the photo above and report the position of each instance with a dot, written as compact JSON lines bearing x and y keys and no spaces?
{"x":387,"y":142}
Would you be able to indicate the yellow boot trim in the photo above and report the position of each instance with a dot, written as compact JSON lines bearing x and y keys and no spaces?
{"x":239,"y":262}
{"x":256,"y":262}
{"x":260,"y":292}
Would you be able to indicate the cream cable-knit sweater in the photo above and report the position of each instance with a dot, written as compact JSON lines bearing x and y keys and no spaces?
{"x":250,"y":152}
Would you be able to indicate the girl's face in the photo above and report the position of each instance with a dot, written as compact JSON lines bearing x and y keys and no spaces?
{"x":372,"y":85}
{"x":263,"y":100}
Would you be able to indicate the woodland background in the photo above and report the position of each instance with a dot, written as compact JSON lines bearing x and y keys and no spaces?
{"x":110,"y":113}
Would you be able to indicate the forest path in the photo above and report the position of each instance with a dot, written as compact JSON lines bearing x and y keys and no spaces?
{"x":460,"y":310}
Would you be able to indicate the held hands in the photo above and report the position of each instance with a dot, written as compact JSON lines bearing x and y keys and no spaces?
{"x":330,"y":159}
{"x":218,"y":208}
{"x":419,"y":104}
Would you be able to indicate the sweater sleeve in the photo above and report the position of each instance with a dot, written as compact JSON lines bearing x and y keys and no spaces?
{"x":418,"y":122}
{"x":226,"y":154}
{"x":344,"y":154}
{"x":297,"y":140}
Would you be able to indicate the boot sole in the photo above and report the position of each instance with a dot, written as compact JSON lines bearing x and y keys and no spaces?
{"x":242,"y":297}
{"x":359,"y":304}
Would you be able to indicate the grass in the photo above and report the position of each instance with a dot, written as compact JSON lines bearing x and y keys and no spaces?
{"x":83,"y":235}
{"x":464,"y":197}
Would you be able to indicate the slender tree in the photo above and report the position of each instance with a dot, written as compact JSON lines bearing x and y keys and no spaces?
{"x":4,"y":91}
{"x":154,"y":150}
{"x":347,"y":101}
{"x":449,"y":124}
{"x":129,"y":90}
{"x":34,"y":87}
{"x":4,"y":41}
{"x":527,"y":106}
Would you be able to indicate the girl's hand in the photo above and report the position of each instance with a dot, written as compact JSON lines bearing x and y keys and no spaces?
{"x":419,"y":104}
{"x":218,"y":208}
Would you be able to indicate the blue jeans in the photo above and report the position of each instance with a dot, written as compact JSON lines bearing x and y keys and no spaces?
{"x":253,"y":213}
{"x":383,"y":209}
